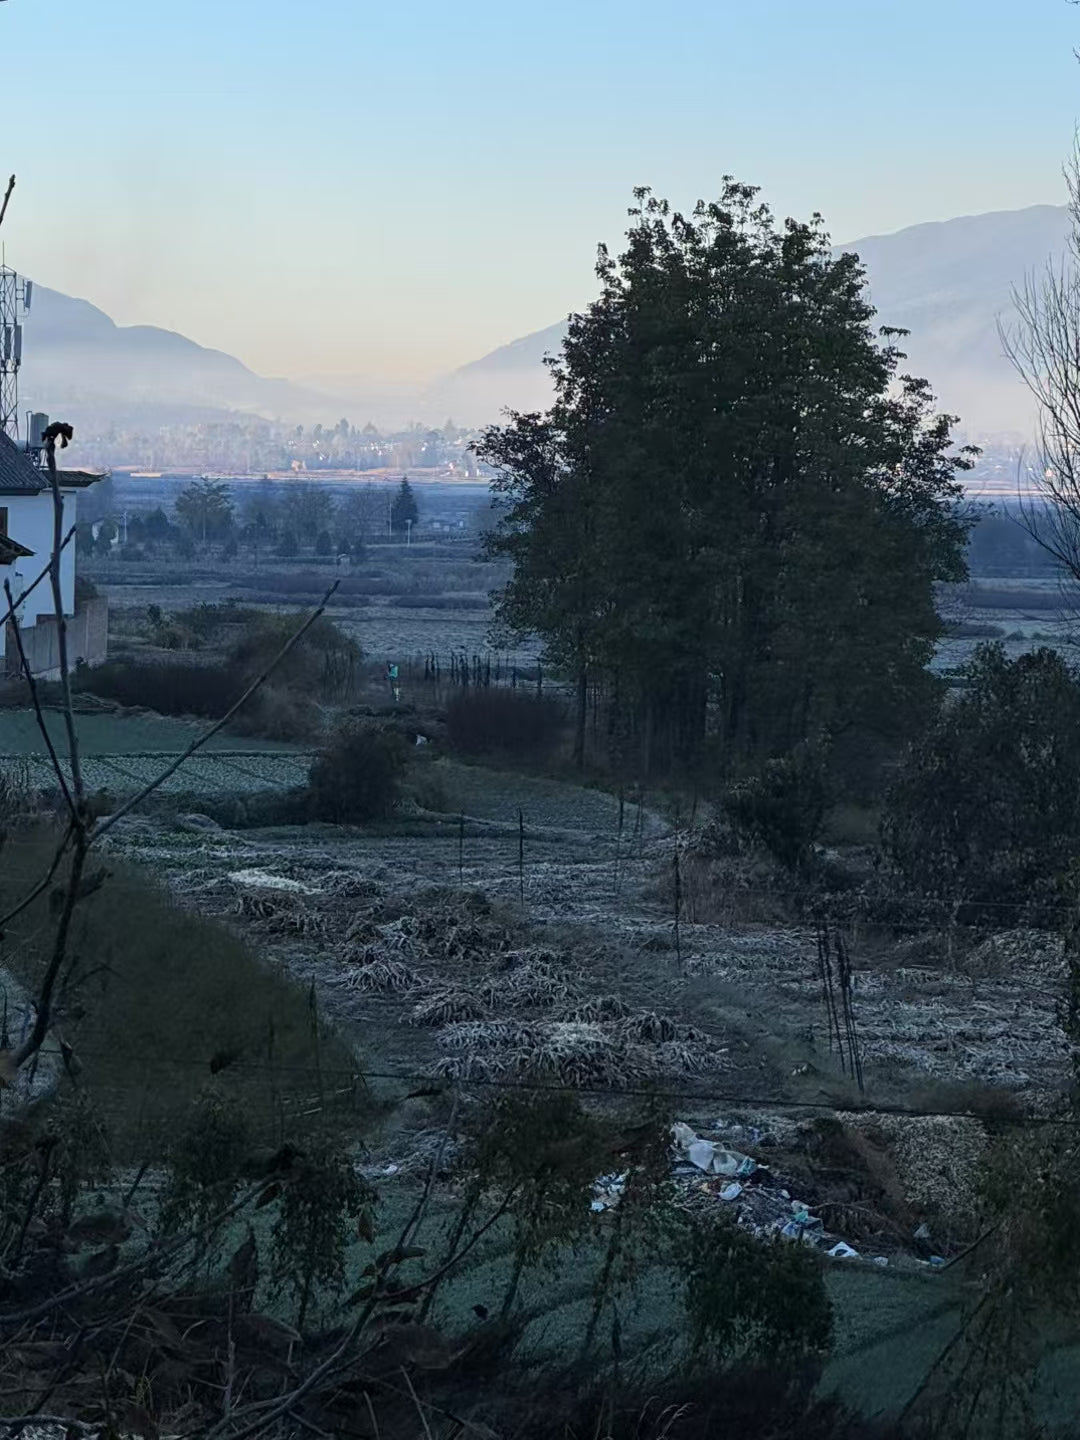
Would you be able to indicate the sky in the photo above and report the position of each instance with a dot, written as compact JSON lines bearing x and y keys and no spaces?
{"x":339,"y":187}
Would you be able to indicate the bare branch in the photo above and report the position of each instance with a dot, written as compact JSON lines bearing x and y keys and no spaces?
{"x":1043,"y":345}
{"x":218,"y":725}
{"x":35,"y":699}
{"x":9,"y":613}
{"x":7,"y":197}
{"x":62,"y":432}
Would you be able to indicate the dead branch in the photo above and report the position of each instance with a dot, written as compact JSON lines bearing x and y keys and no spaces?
{"x":1043,"y":345}
{"x":9,"y":613}
{"x":60,"y":431}
{"x":7,"y":197}
{"x":31,"y":683}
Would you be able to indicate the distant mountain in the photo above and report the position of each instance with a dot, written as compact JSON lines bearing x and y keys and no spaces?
{"x":947,"y":282}
{"x":78,"y":361}
{"x":514,"y":377}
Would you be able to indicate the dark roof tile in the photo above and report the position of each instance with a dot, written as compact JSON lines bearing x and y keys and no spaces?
{"x":18,"y":473}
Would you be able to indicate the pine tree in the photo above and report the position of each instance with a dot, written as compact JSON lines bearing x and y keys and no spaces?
{"x":404,"y":512}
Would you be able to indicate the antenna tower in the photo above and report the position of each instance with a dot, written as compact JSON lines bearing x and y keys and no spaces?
{"x":15,"y":294}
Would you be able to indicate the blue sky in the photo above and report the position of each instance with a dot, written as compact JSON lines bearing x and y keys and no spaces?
{"x":393,"y":189}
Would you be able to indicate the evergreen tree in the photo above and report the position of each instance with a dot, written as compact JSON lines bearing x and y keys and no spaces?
{"x":404,"y":511}
{"x":732,"y":518}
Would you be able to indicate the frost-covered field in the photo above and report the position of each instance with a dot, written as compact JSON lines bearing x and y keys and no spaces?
{"x":121,"y":753}
{"x":226,"y":772}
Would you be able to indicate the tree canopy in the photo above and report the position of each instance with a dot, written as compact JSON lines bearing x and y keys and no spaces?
{"x":985,"y":811}
{"x":732,"y":517}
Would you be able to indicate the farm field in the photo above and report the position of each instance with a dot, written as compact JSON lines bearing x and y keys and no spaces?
{"x":503,"y":926}
{"x":121,"y":753}
{"x":409,"y":963}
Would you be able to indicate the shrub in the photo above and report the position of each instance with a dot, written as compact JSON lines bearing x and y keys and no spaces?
{"x":782,"y":808}
{"x":324,"y":661}
{"x":513,"y":723}
{"x":986,"y":809}
{"x":357,"y":777}
{"x":180,"y":688}
{"x":275,"y":712}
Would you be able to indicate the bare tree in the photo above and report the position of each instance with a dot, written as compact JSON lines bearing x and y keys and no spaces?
{"x":1043,"y":344}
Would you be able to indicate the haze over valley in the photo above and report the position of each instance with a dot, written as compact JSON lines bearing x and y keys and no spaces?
{"x":948,"y":282}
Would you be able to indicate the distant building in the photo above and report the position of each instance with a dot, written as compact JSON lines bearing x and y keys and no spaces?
{"x":26,"y":542}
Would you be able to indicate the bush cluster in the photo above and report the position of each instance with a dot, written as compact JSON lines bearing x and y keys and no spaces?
{"x":782,"y":808}
{"x":357,"y":777}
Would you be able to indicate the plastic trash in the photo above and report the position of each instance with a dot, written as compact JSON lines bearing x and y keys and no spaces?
{"x":732,"y":1191}
{"x":922,"y":1233}
{"x":881,"y":1260}
{"x":800,"y":1212}
{"x":843,"y":1251}
{"x":936,"y":1260}
{"x":607,"y":1191}
{"x":710,"y":1157}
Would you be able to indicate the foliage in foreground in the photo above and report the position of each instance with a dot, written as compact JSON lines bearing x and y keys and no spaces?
{"x":985,"y":812}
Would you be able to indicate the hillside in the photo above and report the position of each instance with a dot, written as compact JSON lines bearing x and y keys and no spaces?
{"x":80,"y":361}
{"x":947,"y":282}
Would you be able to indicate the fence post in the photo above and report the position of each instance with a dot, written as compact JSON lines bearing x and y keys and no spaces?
{"x":521,"y":856}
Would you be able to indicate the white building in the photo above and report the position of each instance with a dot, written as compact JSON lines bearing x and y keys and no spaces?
{"x":26,"y":541}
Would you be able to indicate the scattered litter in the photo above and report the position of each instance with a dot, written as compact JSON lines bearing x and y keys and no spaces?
{"x":936,"y":1260}
{"x":922,"y":1233}
{"x":881,"y":1260}
{"x":732,"y":1191}
{"x":843,"y":1251}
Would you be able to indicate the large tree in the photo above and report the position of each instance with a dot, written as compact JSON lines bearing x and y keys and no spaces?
{"x":734,"y":513}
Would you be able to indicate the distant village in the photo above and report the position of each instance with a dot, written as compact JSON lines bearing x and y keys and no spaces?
{"x":246,"y":446}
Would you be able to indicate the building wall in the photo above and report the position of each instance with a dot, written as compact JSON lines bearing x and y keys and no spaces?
{"x":30,"y":522}
{"x":87,"y":640}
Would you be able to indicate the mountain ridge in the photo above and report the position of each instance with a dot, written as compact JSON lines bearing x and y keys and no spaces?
{"x":945,"y":281}
{"x":948,"y":282}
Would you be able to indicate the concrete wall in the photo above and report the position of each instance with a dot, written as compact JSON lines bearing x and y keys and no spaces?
{"x":87,"y":639}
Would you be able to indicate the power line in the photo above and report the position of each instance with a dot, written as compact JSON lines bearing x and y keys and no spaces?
{"x":686,"y":1096}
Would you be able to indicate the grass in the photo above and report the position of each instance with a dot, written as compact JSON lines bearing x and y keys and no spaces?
{"x":162,"y":1002}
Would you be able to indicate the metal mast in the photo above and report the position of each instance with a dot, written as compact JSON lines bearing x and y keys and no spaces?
{"x":15,"y":295}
